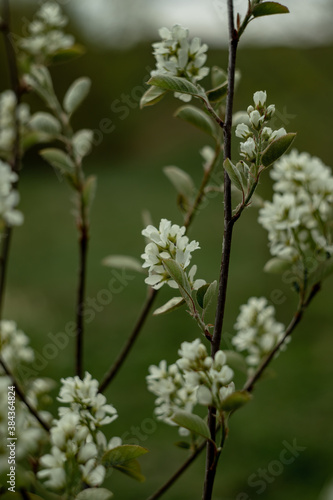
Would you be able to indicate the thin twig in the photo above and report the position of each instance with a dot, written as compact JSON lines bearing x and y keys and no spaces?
{"x":211,"y":463}
{"x":249,"y":386}
{"x":109,"y":376}
{"x":83,"y":250}
{"x":22,"y":397}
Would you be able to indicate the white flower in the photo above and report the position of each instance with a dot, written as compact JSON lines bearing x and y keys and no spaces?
{"x":248,"y":149}
{"x":277,"y":134}
{"x":256,"y":119}
{"x":204,"y":395}
{"x":53,"y":470}
{"x":167,"y":242}
{"x":243,"y":131}
{"x":92,"y":474}
{"x":15,"y":347}
{"x":259,"y":98}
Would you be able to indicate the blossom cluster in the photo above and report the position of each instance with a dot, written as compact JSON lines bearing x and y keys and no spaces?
{"x":258,"y":332}
{"x":298,"y":219}
{"x":76,"y":439}
{"x":46,"y":35}
{"x":9,"y":114}
{"x":195,"y":378}
{"x":257,"y":135}
{"x":168,"y":242}
{"x":9,"y":198}
{"x":176,"y":55}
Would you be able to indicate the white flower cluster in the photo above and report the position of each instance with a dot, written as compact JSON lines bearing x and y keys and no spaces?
{"x":77,"y":443}
{"x":258,"y":136}
{"x":195,"y":378}
{"x":258,"y":332}
{"x":176,"y":55}
{"x":298,"y":219}
{"x":17,"y":355}
{"x":168,"y":242}
{"x":9,"y":198}
{"x":8,"y":110}
{"x":46,"y":36}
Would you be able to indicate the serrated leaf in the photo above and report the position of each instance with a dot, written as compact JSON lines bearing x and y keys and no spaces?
{"x":65,"y":55}
{"x":89,"y":190}
{"x":58,"y":159}
{"x":94,"y":494}
{"x":277,"y":265}
{"x":45,"y":122}
{"x":233,"y":173}
{"x":236,"y":400}
{"x":198,"y":118}
{"x":152,"y":96}
{"x":269,"y":8}
{"x":82,"y":142}
{"x":178,"y":275}
{"x":276,"y":149}
{"x":218,"y":93}
{"x":218,"y":75}
{"x":123,"y":262}
{"x":122,"y":454}
{"x":176,"y":84}
{"x":76,"y":93}
{"x":181,"y":180}
{"x":236,"y":361}
{"x":191,"y":422}
{"x":169,"y":306}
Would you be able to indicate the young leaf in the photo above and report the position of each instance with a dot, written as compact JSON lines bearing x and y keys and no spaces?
{"x":76,"y":93}
{"x":58,"y":159}
{"x":30,"y":139}
{"x":198,"y":118}
{"x":132,"y":469}
{"x":276,"y":149}
{"x":123,"y":262}
{"x":123,"y":458}
{"x":219,"y":76}
{"x":217,"y":94}
{"x":277,"y":265}
{"x":94,"y":494}
{"x":65,"y":55}
{"x":200,"y":295}
{"x":152,"y":96}
{"x":236,"y":400}
{"x":268,"y":9}
{"x":233,"y":173}
{"x":45,"y":122}
{"x":82,"y":142}
{"x":176,"y":84}
{"x":178,"y":275}
{"x":182,"y":182}
{"x":169,"y":306}
{"x":89,"y":190}
{"x":209,"y":295}
{"x":192,"y":422}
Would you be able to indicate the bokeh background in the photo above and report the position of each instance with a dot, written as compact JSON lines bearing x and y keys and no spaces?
{"x":291,"y":58}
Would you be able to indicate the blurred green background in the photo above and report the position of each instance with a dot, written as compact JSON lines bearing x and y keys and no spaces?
{"x":294,"y":404}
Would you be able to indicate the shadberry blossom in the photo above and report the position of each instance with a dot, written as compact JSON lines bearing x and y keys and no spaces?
{"x":8,"y":113}
{"x":167,"y":242}
{"x":176,"y":55}
{"x":258,"y":332}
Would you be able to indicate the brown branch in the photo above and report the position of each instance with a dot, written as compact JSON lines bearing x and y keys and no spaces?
{"x":83,"y":250}
{"x":22,"y":397}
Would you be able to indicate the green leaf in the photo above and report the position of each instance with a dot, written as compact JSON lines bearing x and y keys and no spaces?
{"x":218,"y":93}
{"x":201,"y":292}
{"x":30,"y":139}
{"x":176,"y":84}
{"x":89,"y":190}
{"x":45,"y":122}
{"x":82,"y":142}
{"x":236,"y":361}
{"x":181,"y":180}
{"x":236,"y":400}
{"x":169,"y":306}
{"x":277,"y":265}
{"x":218,"y":75}
{"x":192,"y":422}
{"x":276,"y":149}
{"x":178,"y":275}
{"x":268,"y":9}
{"x":152,"y":96}
{"x":123,"y":458}
{"x":94,"y":494}
{"x":65,"y":55}
{"x":58,"y":159}
{"x":183,"y":444}
{"x":76,"y":93}
{"x":123,"y":262}
{"x":233,"y":173}
{"x":205,"y":294}
{"x":198,"y":118}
